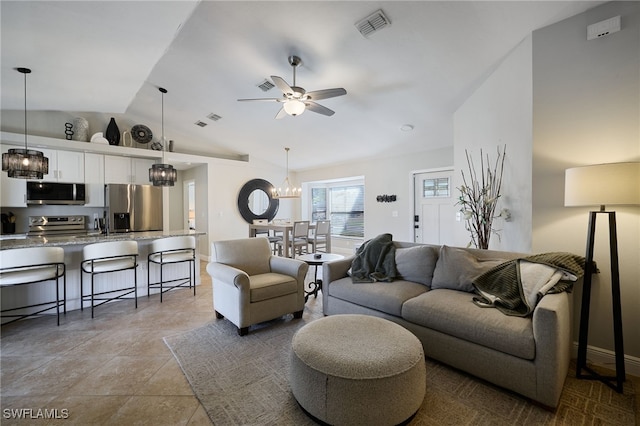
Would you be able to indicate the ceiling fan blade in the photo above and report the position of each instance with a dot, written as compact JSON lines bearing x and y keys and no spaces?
{"x":326,"y":93}
{"x":281,"y":114}
{"x":312,"y":106}
{"x":282,"y":85}
{"x":261,"y":99}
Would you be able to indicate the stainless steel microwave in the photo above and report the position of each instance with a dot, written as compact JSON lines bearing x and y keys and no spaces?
{"x":55,"y":193}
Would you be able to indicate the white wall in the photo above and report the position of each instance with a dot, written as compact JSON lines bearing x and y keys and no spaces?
{"x":499,"y":114}
{"x":586,"y":110}
{"x":390,"y":176}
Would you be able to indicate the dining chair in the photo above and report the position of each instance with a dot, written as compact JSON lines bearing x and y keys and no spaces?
{"x":321,"y":237}
{"x":299,"y":239}
{"x":273,"y":239}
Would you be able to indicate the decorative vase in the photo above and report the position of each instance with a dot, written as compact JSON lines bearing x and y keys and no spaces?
{"x":171,"y":145}
{"x":113,"y":133}
{"x":80,"y":129}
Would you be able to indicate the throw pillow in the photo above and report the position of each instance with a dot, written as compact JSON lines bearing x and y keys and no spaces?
{"x":416,"y":263}
{"x":456,"y":269}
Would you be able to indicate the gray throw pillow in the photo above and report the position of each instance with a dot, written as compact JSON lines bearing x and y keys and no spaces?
{"x":456,"y":269}
{"x":417,"y":263}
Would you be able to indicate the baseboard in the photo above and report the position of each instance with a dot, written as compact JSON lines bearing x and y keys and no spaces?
{"x":606,"y":358}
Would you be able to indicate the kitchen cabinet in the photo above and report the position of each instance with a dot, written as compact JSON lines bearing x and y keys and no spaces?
{"x":126,"y":170}
{"x":94,"y":179}
{"x":13,"y":191}
{"x":64,"y":166}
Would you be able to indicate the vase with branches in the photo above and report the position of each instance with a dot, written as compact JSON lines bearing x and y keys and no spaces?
{"x":479,"y":196}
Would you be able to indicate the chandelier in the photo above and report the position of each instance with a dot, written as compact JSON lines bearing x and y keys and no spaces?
{"x":286,"y":190}
{"x":25,"y":163}
{"x":162,"y":174}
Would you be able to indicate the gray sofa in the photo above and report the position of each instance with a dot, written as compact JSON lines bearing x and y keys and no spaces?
{"x":528,"y":355}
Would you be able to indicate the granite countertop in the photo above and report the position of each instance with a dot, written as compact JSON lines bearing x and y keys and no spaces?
{"x":16,"y":241}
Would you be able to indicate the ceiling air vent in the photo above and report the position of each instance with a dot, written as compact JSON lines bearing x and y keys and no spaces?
{"x":372,"y":23}
{"x":214,"y":117}
{"x":266,"y":85}
{"x":200,"y":123}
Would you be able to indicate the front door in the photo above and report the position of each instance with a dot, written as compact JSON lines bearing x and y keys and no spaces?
{"x":434,"y":210}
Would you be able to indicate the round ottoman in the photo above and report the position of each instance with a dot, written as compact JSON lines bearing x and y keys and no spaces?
{"x":357,"y":369}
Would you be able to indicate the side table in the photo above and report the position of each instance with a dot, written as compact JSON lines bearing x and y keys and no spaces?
{"x":317,"y":259}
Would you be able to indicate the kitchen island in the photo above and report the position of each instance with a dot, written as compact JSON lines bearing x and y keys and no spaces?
{"x":73,"y":245}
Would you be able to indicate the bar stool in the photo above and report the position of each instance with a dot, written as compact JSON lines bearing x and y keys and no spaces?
{"x":31,"y":266}
{"x":101,"y":258}
{"x":168,"y":251}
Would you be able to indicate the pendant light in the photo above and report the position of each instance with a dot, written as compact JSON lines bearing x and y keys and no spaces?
{"x":286,"y":190}
{"x":25,"y":163}
{"x":162,"y":174}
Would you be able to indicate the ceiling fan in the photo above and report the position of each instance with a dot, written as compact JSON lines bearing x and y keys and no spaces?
{"x":295,"y":99}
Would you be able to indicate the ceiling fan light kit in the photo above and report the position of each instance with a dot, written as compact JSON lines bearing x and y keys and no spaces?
{"x":297,"y":100}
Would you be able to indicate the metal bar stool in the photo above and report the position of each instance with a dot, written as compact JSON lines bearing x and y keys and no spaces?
{"x":101,"y":258}
{"x":168,"y":251}
{"x":31,"y":266}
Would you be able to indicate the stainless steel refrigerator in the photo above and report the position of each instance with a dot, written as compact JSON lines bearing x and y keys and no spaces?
{"x":131,"y":208}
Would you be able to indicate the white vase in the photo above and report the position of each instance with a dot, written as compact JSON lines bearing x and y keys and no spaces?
{"x":80,"y":129}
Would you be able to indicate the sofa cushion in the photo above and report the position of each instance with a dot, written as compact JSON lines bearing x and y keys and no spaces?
{"x":416,"y":263}
{"x":453,"y":313}
{"x":457,"y":267}
{"x":270,"y":285}
{"x":381,"y":296}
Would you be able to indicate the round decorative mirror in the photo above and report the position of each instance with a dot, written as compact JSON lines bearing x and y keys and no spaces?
{"x":255,"y":201}
{"x":258,"y":202}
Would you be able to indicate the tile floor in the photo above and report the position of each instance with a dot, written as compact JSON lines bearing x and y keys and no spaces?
{"x":113,"y":369}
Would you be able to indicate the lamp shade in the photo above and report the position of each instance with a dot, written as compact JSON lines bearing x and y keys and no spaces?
{"x":602,"y":184}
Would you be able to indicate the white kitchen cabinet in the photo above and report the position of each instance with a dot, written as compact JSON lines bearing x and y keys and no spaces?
{"x":126,"y":170}
{"x":13,"y":191}
{"x":140,"y":170}
{"x":64,"y":166}
{"x":94,"y":179}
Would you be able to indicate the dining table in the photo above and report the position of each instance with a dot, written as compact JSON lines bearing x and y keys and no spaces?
{"x":286,"y":228}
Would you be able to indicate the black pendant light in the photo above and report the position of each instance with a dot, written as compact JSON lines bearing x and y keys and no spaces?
{"x":25,"y":163}
{"x":162,"y":174}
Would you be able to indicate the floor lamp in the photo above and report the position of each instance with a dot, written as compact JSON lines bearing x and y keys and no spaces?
{"x":602,"y":184}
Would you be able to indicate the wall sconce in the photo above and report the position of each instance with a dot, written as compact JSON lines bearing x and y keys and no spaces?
{"x":386,"y":198}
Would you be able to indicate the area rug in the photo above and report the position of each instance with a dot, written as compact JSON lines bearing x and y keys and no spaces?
{"x":244,"y":381}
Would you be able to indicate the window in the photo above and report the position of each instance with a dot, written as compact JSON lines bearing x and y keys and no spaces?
{"x":436,"y":187}
{"x":318,"y":204}
{"x":343,"y":204}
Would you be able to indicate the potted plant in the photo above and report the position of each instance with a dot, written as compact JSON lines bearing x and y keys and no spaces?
{"x":479,"y":195}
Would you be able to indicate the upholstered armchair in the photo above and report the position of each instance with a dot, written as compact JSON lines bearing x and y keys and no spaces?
{"x":251,"y":286}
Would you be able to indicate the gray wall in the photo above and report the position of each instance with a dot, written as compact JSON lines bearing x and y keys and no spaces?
{"x":586,"y":110}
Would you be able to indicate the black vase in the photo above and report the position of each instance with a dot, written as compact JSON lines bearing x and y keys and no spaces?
{"x":113,"y":133}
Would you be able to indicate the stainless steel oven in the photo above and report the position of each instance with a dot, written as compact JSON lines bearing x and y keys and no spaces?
{"x":47,"y":226}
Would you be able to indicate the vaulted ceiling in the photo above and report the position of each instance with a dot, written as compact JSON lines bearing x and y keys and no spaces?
{"x":110,"y":57}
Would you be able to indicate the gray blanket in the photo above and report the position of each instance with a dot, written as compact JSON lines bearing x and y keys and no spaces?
{"x":515,"y":287}
{"x":375,"y":261}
